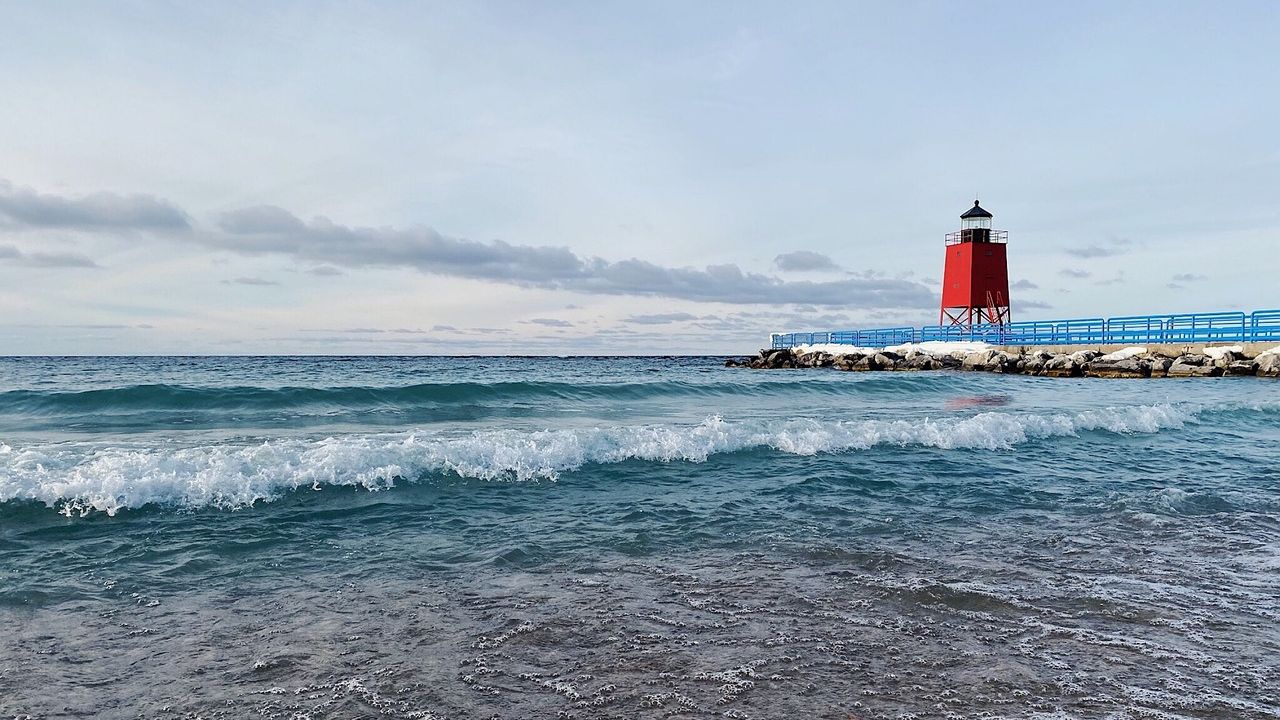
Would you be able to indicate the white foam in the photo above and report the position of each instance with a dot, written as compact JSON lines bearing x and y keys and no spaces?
{"x":80,"y":479}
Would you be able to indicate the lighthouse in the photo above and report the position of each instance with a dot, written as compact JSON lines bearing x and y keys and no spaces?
{"x":975,"y":278}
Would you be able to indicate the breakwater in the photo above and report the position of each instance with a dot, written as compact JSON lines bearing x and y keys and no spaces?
{"x":1132,"y":362}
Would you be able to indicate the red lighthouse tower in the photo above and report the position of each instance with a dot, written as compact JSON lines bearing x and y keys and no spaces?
{"x":975,"y":280}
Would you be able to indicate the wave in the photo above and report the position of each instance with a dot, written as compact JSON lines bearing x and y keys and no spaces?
{"x":184,"y":397}
{"x":80,"y":479}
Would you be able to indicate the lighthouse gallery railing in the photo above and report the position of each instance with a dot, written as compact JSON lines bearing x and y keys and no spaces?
{"x":1258,"y":326}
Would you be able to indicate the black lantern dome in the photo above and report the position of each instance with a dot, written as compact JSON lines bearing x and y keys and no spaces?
{"x":975,"y":212}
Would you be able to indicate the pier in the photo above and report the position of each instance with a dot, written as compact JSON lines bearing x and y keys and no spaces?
{"x":1176,"y":330}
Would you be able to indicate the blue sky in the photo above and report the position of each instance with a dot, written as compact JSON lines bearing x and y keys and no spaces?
{"x":610,"y":177}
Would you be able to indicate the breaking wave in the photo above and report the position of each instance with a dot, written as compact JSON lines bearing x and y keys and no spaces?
{"x":79,"y":479}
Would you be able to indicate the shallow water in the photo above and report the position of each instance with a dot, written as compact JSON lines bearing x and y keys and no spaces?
{"x":656,"y":537}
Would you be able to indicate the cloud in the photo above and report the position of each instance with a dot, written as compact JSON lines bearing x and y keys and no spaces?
{"x":259,"y":282}
{"x":324,"y":271}
{"x":804,"y":261}
{"x":1189,"y":277}
{"x":548,"y":322}
{"x":12,"y":254}
{"x":1074,"y":273}
{"x":269,"y":229}
{"x":1032,"y":305}
{"x":660,"y":318}
{"x":1094,"y":251}
{"x":26,"y":208}
{"x":1119,"y":246}
{"x":1024,"y":285}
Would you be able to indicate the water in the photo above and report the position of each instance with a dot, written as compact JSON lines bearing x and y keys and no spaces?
{"x":656,"y":537}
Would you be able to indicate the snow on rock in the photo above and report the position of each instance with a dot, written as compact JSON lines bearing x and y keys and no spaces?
{"x":1124,"y":354}
{"x":834,"y":349}
{"x":932,"y":347}
{"x":1217,"y":352}
{"x":940,"y":347}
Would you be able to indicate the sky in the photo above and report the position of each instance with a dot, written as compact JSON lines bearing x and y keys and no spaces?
{"x":608,"y":177}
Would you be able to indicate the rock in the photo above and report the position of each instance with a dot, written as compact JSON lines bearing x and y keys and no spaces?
{"x":1062,"y":366}
{"x":1224,"y":355}
{"x":886,"y":360}
{"x":1133,"y":367}
{"x":1241,"y":367}
{"x":1268,"y":365}
{"x":1182,"y":369}
{"x":865,"y":363}
{"x":1033,"y":365}
{"x":1189,"y":359}
{"x":777,"y":358}
{"x":919,"y":361}
{"x":1004,"y":362}
{"x":1223,"y":358}
{"x":947,"y":362}
{"x":1160,"y":366}
{"x":977,"y":360}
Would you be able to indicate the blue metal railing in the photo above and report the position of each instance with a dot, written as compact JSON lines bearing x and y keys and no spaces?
{"x":1259,"y":326}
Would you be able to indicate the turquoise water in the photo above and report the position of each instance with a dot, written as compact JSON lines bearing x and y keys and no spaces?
{"x":631,"y":537}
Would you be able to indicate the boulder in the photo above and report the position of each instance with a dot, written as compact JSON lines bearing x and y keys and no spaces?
{"x":1181,"y":369}
{"x":814,"y":360}
{"x":920,"y":361}
{"x":947,"y":362}
{"x":1133,"y":367}
{"x":1004,"y":362}
{"x":977,"y":360}
{"x":865,"y":363}
{"x":1160,"y":366}
{"x":1083,"y":357}
{"x":1224,"y":358}
{"x":886,"y":360}
{"x":1241,"y":367}
{"x":1268,"y":365}
{"x":1062,"y":366}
